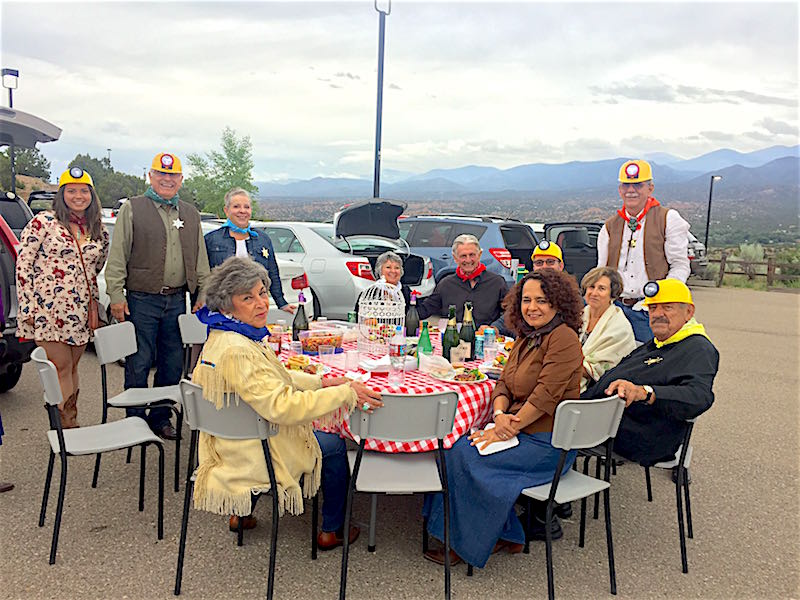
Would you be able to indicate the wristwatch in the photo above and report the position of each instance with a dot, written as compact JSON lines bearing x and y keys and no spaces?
{"x":649,"y":391}
{"x":497,"y":412}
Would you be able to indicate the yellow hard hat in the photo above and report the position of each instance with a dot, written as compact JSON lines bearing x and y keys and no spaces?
{"x":166,"y":163}
{"x":667,"y":290}
{"x":545,"y":248}
{"x":635,"y":171}
{"x":75,"y":175}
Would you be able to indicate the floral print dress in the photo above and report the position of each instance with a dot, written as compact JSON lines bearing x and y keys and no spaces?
{"x":51,"y":286}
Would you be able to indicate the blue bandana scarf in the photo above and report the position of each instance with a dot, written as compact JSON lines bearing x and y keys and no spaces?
{"x":249,"y":230}
{"x":216,"y":320}
{"x":150,"y":193}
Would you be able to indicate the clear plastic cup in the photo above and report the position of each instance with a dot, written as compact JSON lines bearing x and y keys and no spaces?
{"x":351,"y":360}
{"x":326,"y":354}
{"x":295,"y":348}
{"x":489,"y":352}
{"x":396,"y":377}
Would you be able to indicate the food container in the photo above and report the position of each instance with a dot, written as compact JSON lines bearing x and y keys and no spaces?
{"x":349,"y":330}
{"x":311,"y":340}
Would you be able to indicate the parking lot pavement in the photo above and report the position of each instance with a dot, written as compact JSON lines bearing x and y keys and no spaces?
{"x":744,"y":503}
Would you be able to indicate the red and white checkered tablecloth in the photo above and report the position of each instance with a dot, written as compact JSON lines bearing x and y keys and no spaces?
{"x":474,"y":408}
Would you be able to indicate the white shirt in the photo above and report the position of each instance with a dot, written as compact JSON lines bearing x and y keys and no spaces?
{"x":631,"y":260}
{"x":241,"y":248}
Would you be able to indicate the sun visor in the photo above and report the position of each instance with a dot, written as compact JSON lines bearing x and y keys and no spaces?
{"x":369,"y":217}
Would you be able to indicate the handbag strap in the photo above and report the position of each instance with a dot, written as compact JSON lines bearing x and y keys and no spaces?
{"x":85,"y":276}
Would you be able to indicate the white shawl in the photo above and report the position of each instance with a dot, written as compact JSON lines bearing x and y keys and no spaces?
{"x":608,"y":343}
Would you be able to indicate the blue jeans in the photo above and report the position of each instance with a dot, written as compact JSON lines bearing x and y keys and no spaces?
{"x":639,"y":320}
{"x":335,"y":475}
{"x":158,"y":340}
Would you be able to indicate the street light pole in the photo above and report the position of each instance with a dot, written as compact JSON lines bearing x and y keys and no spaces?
{"x":109,"y":156}
{"x":10,"y":77}
{"x":376,"y":180}
{"x":708,"y":215}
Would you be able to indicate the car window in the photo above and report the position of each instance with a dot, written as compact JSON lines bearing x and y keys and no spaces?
{"x":517,"y":237}
{"x":431,"y":234}
{"x":405,"y":229}
{"x":284,"y":240}
{"x":571,"y":236}
{"x":463,"y":228}
{"x":14,"y":214}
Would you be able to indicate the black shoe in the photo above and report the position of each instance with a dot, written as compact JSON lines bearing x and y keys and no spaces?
{"x":537,"y":531}
{"x":564,"y":511}
{"x":688,"y":475}
{"x":167,"y":432}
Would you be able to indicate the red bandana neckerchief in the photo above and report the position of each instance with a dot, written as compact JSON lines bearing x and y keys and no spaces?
{"x":651,"y":202}
{"x":79,"y":221}
{"x":481,"y":268}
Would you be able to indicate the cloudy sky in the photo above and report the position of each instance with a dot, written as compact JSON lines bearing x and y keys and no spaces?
{"x":465,"y":83}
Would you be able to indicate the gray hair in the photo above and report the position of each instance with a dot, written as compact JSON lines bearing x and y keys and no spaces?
{"x":237,"y":275}
{"x":614,"y":278}
{"x":236,"y":192}
{"x":386,"y":257}
{"x":465,"y":238}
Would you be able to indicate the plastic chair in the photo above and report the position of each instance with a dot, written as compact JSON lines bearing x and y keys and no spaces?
{"x":403,"y":418}
{"x":236,"y":421}
{"x":94,"y":439}
{"x":192,"y":332}
{"x":117,"y":341}
{"x":578,"y":424}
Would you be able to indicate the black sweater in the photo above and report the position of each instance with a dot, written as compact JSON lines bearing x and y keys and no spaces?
{"x":486,"y":297}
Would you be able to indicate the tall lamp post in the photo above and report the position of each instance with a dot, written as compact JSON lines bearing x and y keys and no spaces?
{"x":109,"y":156}
{"x":10,"y":78}
{"x":376,"y":180}
{"x":708,"y":215}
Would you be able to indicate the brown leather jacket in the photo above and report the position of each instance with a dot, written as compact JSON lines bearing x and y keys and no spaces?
{"x":543,"y":376}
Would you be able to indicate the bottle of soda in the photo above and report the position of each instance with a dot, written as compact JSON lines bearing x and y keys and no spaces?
{"x":467,"y":333}
{"x":450,"y":338}
{"x":300,"y":322}
{"x":412,"y":317}
{"x":424,"y":346}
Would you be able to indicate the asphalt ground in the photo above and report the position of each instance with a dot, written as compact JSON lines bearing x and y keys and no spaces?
{"x":744,"y":502}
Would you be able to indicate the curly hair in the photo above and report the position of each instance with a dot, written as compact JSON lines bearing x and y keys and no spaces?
{"x":560,"y":289}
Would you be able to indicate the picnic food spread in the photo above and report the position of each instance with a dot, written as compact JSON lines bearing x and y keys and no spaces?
{"x":299,"y":362}
{"x":468,"y":375}
{"x":313,"y":339}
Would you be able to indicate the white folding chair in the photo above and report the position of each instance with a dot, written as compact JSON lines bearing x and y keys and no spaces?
{"x":117,"y":341}
{"x":94,"y":439}
{"x":578,"y":424}
{"x":403,"y":418}
{"x":192,"y":332}
{"x":236,"y":421}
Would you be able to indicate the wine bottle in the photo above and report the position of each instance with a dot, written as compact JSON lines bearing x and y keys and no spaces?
{"x":412,"y":317}
{"x":450,"y":339}
{"x":467,"y":333}
{"x":424,"y":346}
{"x":300,"y":322}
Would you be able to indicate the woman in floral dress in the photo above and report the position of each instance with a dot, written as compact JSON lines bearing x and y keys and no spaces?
{"x":53,"y":290}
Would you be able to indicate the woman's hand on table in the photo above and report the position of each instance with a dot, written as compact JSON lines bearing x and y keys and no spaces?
{"x":368,"y":399}
{"x":504,"y":426}
{"x":484,"y":437}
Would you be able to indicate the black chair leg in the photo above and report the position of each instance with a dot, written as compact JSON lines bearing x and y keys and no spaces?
{"x":469,"y":570}
{"x":582,"y":537}
{"x":690,"y":531}
{"x":178,"y":429}
{"x":597,"y":495}
{"x":46,"y":493}
{"x":351,"y":488}
{"x":548,"y":541}
{"x":612,"y":573}
{"x":240,"y":532}
{"x":273,"y":542}
{"x":185,"y":519}
{"x":649,"y":486}
{"x":128,"y":457}
{"x":160,"y":491}
{"x":96,"y":470}
{"x":62,"y":489}
{"x":527,"y":526}
{"x":314,"y":524}
{"x":681,"y":530}
{"x":142,"y":461}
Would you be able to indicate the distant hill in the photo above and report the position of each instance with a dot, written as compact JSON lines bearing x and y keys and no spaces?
{"x":721,"y":159}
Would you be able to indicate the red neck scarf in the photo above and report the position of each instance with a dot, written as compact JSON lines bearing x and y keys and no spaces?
{"x":481,"y":268}
{"x":79,"y":221}
{"x":637,"y":220}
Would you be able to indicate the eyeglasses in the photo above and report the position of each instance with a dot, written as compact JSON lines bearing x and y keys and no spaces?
{"x":550,"y":262}
{"x":638,"y":185}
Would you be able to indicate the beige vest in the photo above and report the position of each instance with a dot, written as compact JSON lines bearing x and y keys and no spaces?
{"x":149,"y":246}
{"x":655,"y":227}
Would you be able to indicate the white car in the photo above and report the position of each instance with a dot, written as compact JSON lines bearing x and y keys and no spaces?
{"x":336,"y":272}
{"x":292,"y":276}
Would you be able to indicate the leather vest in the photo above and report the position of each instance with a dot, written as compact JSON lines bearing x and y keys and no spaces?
{"x":149,"y":246}
{"x":655,"y":227}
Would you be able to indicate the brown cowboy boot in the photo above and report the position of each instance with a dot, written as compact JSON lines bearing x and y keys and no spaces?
{"x":65,"y":411}
{"x":73,"y":408}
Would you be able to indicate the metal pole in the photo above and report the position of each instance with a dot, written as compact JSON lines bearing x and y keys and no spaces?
{"x":376,"y":181}
{"x":708,"y":214}
{"x":11,"y":154}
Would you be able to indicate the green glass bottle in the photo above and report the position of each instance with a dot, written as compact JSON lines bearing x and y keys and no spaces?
{"x":424,"y":345}
{"x":450,"y":338}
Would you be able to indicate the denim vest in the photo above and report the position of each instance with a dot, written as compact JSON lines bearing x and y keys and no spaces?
{"x":220,"y":246}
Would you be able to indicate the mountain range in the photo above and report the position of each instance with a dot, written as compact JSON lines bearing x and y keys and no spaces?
{"x":751,"y":167}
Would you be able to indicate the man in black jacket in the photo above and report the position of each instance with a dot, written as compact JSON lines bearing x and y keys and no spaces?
{"x":664,"y":382}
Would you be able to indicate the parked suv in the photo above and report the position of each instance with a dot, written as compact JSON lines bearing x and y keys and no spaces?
{"x":13,"y":353}
{"x":15,"y":212}
{"x":502,"y":240}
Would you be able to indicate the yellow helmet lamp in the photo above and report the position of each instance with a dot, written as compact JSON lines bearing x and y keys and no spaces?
{"x":75,"y":175}
{"x":634,"y":171}
{"x":545,"y":248}
{"x":665,"y":291}
{"x":165,"y":162}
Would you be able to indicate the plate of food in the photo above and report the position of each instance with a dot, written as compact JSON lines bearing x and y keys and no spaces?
{"x":300,"y":362}
{"x":461,"y":375}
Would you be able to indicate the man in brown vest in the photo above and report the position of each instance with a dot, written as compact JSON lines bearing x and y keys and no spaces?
{"x":644,"y":241}
{"x":157,"y":255}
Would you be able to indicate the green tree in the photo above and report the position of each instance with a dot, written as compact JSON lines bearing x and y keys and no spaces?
{"x":219,"y":171}
{"x":110,"y":185}
{"x":27,"y":161}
